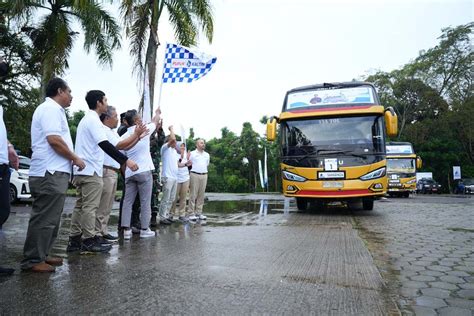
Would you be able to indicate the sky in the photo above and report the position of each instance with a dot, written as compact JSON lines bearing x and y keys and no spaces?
{"x":267,"y":47}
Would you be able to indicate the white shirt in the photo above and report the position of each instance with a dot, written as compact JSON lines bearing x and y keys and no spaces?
{"x":200,"y":161}
{"x":169,"y":160}
{"x":90,"y":132}
{"x":140,"y":153}
{"x":49,"y":119}
{"x":114,"y":139}
{"x":3,"y":140}
{"x":183,"y":172}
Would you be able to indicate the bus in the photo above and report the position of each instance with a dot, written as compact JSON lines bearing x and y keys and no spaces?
{"x":402,"y":164}
{"x":332,"y":144}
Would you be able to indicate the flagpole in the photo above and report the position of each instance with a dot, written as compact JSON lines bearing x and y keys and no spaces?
{"x":161,"y":76}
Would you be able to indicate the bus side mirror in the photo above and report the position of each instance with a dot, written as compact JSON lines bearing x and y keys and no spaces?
{"x":391,"y":122}
{"x":271,"y":129}
{"x":419,"y":162}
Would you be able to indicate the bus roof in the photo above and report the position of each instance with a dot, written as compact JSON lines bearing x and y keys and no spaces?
{"x":399,"y":148}
{"x":330,"y":95}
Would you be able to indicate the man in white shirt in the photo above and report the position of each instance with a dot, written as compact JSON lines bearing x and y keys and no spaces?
{"x":111,"y":168}
{"x":198,"y":180}
{"x":91,"y":143}
{"x":7,"y":156}
{"x":49,"y":175}
{"x":169,"y":176}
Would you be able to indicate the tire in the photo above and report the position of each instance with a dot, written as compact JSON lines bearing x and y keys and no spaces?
{"x":302,"y":204}
{"x":406,"y":194}
{"x":13,"y":194}
{"x":368,"y":204}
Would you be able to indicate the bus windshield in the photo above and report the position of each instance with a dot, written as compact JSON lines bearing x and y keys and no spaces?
{"x":405,"y":165}
{"x":323,"y":97}
{"x":361,"y":135}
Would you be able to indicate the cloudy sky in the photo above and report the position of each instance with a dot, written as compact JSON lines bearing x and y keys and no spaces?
{"x":266,"y":47}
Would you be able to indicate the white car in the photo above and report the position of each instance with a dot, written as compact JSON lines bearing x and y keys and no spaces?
{"x":19,"y":187}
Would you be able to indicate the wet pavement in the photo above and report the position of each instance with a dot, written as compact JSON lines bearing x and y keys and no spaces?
{"x":257,"y":255}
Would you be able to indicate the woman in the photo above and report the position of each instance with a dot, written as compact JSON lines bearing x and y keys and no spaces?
{"x":140,"y":181}
{"x":183,"y":185}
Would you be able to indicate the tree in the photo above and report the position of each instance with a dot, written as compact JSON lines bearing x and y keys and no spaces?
{"x":141,"y":19}
{"x":52,"y":37}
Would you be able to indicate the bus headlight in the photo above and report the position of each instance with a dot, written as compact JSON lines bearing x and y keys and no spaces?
{"x":411,"y":181}
{"x":374,"y":174}
{"x":293,"y":177}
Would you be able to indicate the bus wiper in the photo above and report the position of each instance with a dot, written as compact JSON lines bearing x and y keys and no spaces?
{"x":345,"y":152}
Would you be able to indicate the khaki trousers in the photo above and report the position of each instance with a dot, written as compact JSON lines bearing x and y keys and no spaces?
{"x":181,"y":194}
{"x":197,"y":188}
{"x":89,"y":191}
{"x":109,"y":180}
{"x":49,"y":194}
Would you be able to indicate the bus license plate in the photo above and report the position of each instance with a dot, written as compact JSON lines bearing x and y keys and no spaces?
{"x":333,"y":184}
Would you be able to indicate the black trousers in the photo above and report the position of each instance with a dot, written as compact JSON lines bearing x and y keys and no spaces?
{"x":4,"y":193}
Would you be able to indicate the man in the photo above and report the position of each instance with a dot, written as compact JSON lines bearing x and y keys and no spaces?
{"x":123,"y":125}
{"x":169,"y":178}
{"x":7,"y":156}
{"x":49,"y":175}
{"x":91,"y":143}
{"x":156,"y":142}
{"x":198,"y":180}
{"x":111,"y":168}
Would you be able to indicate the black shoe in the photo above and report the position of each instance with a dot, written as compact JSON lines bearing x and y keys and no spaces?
{"x":104,"y":241}
{"x":110,"y":237}
{"x":74,"y":243}
{"x":153,"y":222}
{"x":171,"y":219}
{"x":165,"y":221}
{"x":6,"y":271}
{"x":93,"y":245}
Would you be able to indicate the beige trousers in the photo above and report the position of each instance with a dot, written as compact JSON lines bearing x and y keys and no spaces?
{"x":197,"y":187}
{"x":109,"y":179}
{"x":89,"y":190}
{"x":181,"y":194}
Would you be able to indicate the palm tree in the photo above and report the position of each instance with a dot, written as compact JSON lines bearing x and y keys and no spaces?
{"x":53,"y":35}
{"x":141,"y":19}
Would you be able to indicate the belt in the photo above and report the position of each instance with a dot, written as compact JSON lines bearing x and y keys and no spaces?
{"x":111,"y":168}
{"x":199,"y":173}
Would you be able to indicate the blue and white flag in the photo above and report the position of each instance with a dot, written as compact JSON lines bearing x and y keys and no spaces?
{"x":183,"y":65}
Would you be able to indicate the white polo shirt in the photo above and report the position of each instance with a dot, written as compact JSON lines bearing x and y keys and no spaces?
{"x":140,"y":153}
{"x":183,"y":172}
{"x":90,"y":132}
{"x":3,"y":140}
{"x":114,"y":139}
{"x":200,"y":161}
{"x":49,"y":118}
{"x":169,"y":160}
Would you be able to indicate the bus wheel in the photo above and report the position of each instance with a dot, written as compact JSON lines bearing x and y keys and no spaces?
{"x":406,"y":194}
{"x":368,"y":204}
{"x":302,"y":204}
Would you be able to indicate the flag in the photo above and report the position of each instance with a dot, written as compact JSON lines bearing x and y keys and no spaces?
{"x":183,"y":65}
{"x":146,"y":114}
{"x":260,"y":173}
{"x":265,"y":175}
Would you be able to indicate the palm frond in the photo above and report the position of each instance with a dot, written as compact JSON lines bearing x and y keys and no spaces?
{"x":181,"y":20}
{"x":101,"y":31}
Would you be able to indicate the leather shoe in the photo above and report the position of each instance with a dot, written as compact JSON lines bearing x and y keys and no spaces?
{"x":54,"y":261}
{"x":42,"y":267}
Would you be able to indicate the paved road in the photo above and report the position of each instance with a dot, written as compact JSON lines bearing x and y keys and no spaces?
{"x":256,"y":254}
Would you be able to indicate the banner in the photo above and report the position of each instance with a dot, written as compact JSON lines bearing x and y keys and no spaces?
{"x":182,"y":64}
{"x":456,"y":172}
{"x":260,"y":173}
{"x":265,"y":174}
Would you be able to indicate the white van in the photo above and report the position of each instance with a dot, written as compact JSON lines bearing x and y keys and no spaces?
{"x":19,"y":187}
